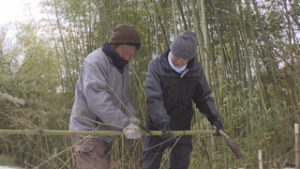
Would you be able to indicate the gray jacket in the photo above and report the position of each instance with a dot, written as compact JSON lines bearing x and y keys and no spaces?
{"x":98,"y":106}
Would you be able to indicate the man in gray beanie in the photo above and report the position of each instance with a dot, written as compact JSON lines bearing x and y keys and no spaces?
{"x":175,"y":78}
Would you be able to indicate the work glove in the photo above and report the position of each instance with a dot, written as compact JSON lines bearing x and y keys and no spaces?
{"x":165,"y":128}
{"x":137,"y":122}
{"x":132,"y":131}
{"x":219,"y":127}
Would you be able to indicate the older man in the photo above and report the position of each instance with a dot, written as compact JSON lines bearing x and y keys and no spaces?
{"x":101,"y":98}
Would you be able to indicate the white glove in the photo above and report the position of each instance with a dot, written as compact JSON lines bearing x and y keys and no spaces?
{"x":134,"y":120}
{"x":132,"y":131}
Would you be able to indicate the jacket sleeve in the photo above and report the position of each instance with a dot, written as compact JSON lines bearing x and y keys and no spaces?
{"x":204,"y":102}
{"x":97,"y":95}
{"x":155,"y":103}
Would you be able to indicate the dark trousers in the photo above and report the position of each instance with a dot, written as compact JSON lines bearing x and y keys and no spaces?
{"x":154,"y":147}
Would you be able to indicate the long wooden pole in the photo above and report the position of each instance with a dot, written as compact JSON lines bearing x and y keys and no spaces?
{"x":260,"y":160}
{"x":296,"y":146}
{"x":102,"y":133}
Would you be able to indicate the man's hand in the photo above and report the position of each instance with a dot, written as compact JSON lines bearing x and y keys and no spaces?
{"x":137,"y":122}
{"x":219,"y":127}
{"x":132,"y":131}
{"x":165,"y":128}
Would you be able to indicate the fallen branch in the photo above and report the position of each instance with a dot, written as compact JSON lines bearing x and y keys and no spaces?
{"x":11,"y":98}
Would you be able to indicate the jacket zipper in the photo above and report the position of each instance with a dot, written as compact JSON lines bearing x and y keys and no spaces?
{"x":184,"y":72}
{"x":123,"y":86}
{"x":179,"y":97}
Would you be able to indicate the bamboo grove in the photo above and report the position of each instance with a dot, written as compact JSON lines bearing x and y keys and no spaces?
{"x":249,"y":49}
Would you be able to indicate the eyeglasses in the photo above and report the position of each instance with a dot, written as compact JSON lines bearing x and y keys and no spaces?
{"x":130,"y":52}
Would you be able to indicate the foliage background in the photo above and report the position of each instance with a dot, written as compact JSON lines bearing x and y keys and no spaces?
{"x":249,"y":50}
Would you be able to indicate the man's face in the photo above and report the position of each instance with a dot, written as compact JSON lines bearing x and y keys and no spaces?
{"x":178,"y":61}
{"x":125,"y":51}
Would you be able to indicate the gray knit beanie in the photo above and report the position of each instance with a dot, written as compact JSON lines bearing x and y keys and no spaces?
{"x":184,"y":45}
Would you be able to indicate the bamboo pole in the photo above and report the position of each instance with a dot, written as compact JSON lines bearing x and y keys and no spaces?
{"x":296,"y":146}
{"x":260,"y":159}
{"x":174,"y":18}
{"x":206,"y":41}
{"x":69,"y":76}
{"x":99,"y":133}
{"x":11,"y":98}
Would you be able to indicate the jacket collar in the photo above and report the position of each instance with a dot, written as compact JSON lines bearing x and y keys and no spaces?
{"x":117,"y":60}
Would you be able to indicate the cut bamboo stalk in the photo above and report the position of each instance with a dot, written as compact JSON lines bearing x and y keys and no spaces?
{"x":11,"y":98}
{"x":236,"y":151}
{"x":260,"y":159}
{"x":296,"y":146}
{"x":99,"y":133}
